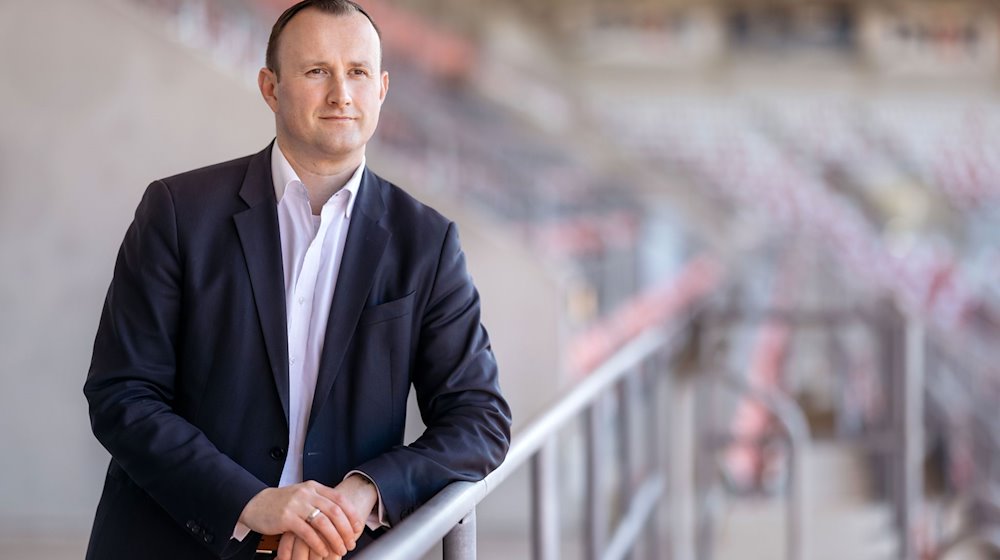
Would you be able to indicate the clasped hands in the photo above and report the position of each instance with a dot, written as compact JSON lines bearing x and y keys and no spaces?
{"x":290,"y":511}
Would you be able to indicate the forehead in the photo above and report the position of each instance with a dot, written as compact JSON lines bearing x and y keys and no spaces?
{"x":313,"y":34}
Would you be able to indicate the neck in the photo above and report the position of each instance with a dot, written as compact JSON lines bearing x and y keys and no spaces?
{"x":322,"y":178}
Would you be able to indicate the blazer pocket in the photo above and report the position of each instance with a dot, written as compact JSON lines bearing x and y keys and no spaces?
{"x":388,"y":310}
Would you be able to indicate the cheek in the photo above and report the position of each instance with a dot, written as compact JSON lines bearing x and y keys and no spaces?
{"x":299,"y":101}
{"x":373,"y":103}
{"x":367,"y":94}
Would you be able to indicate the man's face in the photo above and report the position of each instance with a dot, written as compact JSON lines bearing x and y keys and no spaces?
{"x":331,"y":87}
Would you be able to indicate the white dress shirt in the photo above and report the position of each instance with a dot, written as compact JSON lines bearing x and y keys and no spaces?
{"x":311,"y":250}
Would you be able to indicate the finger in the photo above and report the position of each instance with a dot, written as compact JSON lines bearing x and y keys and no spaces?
{"x":338,"y":520}
{"x":338,"y":543}
{"x":325,"y":526}
{"x":306,"y":533}
{"x":285,"y":546}
{"x":355,"y":519}
{"x":301,"y":550}
{"x":345,"y":504}
{"x":314,"y":556}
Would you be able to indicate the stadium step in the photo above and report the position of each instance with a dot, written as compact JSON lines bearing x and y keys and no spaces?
{"x":840,"y":520}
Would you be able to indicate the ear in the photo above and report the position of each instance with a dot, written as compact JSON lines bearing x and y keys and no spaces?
{"x":385,"y":87}
{"x":267,"y":81}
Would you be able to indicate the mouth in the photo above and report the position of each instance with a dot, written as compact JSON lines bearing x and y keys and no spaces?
{"x":337,"y":119}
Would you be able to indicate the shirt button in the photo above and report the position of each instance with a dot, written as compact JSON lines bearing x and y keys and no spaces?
{"x":302,"y":300}
{"x":292,"y":361}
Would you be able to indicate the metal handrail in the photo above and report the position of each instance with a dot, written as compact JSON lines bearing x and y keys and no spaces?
{"x":793,"y":421}
{"x":441,"y":516}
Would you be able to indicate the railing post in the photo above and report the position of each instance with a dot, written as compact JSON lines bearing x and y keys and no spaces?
{"x":633,"y":464}
{"x":460,"y":542}
{"x":913,"y":434}
{"x":796,"y":428}
{"x":891,"y":349}
{"x":795,"y":508}
{"x":596,"y":508}
{"x":545,"y":502}
{"x":659,"y":445}
{"x":693,"y":467}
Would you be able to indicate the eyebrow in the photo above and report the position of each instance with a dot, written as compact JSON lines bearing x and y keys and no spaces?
{"x":351,"y":64}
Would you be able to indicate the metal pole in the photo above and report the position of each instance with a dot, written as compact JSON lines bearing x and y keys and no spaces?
{"x":632,"y":464}
{"x":793,"y":420}
{"x":683,"y":456}
{"x":913,"y":434}
{"x":897,"y":465}
{"x":622,"y":543}
{"x":460,"y":542}
{"x":663,"y":531}
{"x":794,"y":507}
{"x":650,"y":383}
{"x":693,"y":461}
{"x":596,"y":509}
{"x":545,"y":502}
{"x":881,"y":328}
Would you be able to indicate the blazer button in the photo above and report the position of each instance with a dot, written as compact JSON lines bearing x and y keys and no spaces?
{"x":277,"y":453}
{"x":192,"y":526}
{"x":208,"y":538}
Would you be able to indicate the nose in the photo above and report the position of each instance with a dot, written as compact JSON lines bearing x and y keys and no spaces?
{"x":339,"y":93}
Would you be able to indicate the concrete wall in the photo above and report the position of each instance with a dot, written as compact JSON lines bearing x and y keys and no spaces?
{"x":95,"y":102}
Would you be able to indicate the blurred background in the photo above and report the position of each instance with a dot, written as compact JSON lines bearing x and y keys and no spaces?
{"x":810,"y":190}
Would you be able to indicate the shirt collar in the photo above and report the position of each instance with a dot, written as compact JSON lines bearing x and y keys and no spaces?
{"x":282,"y":174}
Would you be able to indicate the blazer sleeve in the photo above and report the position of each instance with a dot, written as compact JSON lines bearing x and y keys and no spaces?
{"x":131,"y":385}
{"x":455,"y":377}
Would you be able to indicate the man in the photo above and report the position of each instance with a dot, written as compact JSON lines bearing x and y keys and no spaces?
{"x":265,"y":321}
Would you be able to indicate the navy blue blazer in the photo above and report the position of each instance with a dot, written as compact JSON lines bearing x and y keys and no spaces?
{"x":188,"y":385}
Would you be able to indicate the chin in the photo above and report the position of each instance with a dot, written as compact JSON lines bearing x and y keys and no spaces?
{"x":339,"y":152}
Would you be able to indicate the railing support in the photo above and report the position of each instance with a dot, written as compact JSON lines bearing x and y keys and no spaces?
{"x":596,"y":509}
{"x":913,"y":434}
{"x":545,"y":502}
{"x":460,"y":542}
{"x":630,"y":429}
{"x":635,"y":521}
{"x":661,"y":535}
{"x":793,"y":421}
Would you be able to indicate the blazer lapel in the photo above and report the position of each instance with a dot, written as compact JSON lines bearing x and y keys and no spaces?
{"x":257,"y":227}
{"x":366,"y":241}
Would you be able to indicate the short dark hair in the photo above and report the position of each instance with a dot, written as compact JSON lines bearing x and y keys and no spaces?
{"x":335,"y":7}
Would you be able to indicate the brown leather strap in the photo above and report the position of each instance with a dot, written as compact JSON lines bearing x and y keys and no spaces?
{"x":268,"y":543}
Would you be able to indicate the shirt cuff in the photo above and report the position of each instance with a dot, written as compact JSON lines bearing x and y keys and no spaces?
{"x":241,"y":531}
{"x":376,"y":519}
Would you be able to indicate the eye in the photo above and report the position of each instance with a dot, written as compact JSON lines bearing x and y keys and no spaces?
{"x":317,"y":72}
{"x":359,"y":72}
